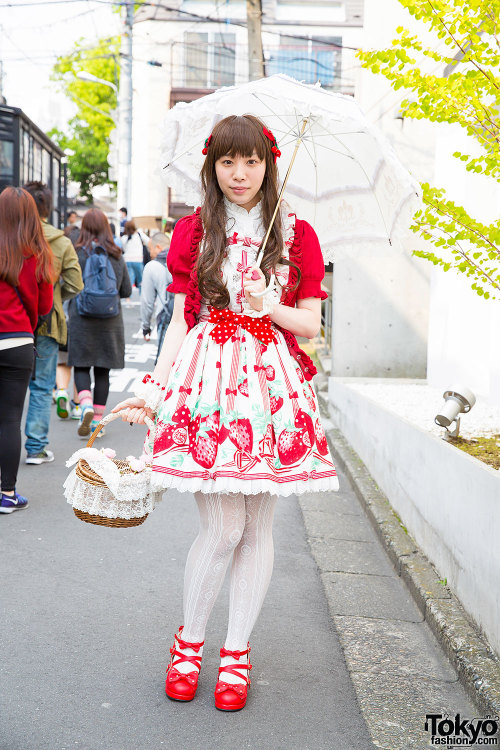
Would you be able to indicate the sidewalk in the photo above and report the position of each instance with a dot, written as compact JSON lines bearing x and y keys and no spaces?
{"x":343,"y":659}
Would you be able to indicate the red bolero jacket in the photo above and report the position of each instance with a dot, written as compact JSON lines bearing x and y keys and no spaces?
{"x":305,"y":252}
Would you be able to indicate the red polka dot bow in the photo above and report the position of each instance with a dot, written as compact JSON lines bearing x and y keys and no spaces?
{"x":227,"y":322}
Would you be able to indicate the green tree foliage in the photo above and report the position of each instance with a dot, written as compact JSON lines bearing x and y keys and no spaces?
{"x":465,"y":90}
{"x":87,"y":136}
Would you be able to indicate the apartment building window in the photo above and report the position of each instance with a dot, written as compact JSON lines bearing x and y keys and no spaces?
{"x":209,"y":59}
{"x":309,"y":60}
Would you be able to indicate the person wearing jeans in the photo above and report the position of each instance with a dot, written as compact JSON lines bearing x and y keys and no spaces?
{"x":51,"y":333}
{"x":40,"y":403}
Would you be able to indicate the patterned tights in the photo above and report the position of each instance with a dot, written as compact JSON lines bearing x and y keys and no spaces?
{"x":237,"y":527}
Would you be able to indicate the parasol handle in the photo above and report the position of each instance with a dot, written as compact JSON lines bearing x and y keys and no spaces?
{"x":280,"y":197}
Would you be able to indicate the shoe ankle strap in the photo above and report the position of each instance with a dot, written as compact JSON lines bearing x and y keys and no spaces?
{"x":180,"y":657}
{"x":233,"y":669}
{"x":235,"y":654}
{"x":185,"y":644}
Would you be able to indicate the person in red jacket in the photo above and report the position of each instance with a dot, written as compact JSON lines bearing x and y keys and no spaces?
{"x":26,"y":293}
{"x":237,"y":417}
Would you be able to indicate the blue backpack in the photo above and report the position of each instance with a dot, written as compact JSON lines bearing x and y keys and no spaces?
{"x":100,"y":297}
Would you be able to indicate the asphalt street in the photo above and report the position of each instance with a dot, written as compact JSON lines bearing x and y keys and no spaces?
{"x":89,"y":613}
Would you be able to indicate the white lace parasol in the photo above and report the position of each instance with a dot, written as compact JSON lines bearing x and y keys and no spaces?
{"x":346,"y":180}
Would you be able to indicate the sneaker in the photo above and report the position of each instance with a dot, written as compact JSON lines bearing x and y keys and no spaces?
{"x":86,"y":418}
{"x":94,"y":424}
{"x":62,"y":404}
{"x":10,"y":503}
{"x":75,"y":410}
{"x":44,"y":457}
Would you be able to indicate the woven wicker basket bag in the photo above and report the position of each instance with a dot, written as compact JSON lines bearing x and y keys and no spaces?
{"x":108,"y":491}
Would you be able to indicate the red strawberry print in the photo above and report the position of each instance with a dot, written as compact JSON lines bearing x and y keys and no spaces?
{"x":241,"y":434}
{"x":291,"y":447}
{"x":203,"y":449}
{"x":244,"y":366}
{"x":304,"y":422}
{"x":276,"y":402}
{"x":321,"y":443}
{"x":211,"y":422}
{"x":163,"y":436}
{"x":223,"y":433}
{"x":243,"y":387}
{"x":168,"y":394}
{"x":300,"y":374}
{"x":270,"y":373}
{"x":182,"y":416}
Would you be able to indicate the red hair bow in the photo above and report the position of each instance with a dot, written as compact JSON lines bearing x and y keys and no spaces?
{"x":274,"y":144}
{"x":207,"y":144}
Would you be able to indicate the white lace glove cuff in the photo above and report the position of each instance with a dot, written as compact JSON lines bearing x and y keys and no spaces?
{"x":152,"y":392}
{"x":269,"y":300}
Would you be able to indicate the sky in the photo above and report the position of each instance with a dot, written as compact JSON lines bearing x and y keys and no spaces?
{"x":32,"y":34}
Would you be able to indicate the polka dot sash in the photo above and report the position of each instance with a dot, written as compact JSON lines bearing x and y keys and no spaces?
{"x":227,"y":322}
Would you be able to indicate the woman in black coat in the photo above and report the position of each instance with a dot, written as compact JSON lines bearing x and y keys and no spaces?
{"x":96,"y":342}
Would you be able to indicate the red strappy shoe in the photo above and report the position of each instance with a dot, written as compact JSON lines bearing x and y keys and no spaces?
{"x":229,"y":697}
{"x":180,"y":686}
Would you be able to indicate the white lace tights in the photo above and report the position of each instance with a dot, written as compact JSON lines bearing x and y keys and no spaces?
{"x":233,"y":526}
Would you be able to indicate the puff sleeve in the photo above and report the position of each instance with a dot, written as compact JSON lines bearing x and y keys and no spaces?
{"x":312,"y":263}
{"x":179,"y":255}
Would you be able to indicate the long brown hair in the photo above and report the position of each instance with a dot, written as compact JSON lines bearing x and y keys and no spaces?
{"x":95,"y":228}
{"x":235,"y":135}
{"x":129,"y":228}
{"x":21,"y":236}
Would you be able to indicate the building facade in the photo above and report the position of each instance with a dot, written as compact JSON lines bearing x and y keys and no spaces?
{"x":182,"y":54}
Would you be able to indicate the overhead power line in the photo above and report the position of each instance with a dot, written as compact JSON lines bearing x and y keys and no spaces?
{"x":206,"y":18}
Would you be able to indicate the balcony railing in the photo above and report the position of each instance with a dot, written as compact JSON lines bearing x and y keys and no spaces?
{"x":211,"y":65}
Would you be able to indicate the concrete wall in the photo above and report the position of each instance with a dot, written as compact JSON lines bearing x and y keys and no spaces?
{"x":381,"y":304}
{"x":449,"y":502}
{"x":380,"y":317}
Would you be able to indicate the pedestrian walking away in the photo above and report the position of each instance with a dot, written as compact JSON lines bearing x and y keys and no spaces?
{"x":96,"y":335}
{"x":52,"y":333}
{"x":155,"y":280}
{"x":237,"y":418}
{"x":26,"y":293}
{"x":133,"y":251}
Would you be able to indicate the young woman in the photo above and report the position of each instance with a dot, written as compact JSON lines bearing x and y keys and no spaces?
{"x":237,"y":420}
{"x":133,"y":251}
{"x":26,"y":293}
{"x":96,"y":342}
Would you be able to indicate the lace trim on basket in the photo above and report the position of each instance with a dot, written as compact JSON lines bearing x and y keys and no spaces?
{"x":135,"y":499}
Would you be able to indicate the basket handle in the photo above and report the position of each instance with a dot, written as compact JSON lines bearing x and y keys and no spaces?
{"x":110,"y":418}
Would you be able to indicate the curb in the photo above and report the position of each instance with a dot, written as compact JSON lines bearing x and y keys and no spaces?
{"x":477,"y":666}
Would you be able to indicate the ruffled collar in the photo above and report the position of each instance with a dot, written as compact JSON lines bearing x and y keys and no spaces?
{"x":239,"y":216}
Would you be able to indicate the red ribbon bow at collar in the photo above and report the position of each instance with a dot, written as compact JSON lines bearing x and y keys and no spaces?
{"x":240,"y":689}
{"x":227,"y":321}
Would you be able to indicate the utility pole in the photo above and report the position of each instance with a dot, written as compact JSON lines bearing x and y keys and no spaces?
{"x":255,"y":54}
{"x":124,"y":191}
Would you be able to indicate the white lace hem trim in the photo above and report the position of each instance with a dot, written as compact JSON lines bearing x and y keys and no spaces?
{"x":162,"y":482}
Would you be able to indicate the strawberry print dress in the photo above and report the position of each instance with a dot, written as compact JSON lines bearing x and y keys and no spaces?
{"x":239,"y":416}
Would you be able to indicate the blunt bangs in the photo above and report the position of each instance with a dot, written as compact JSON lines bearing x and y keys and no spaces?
{"x":238,"y":135}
